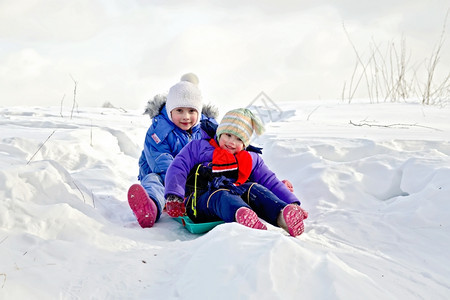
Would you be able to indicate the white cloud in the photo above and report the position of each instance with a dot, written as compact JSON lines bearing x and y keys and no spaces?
{"x":127,"y":52}
{"x":50,"y":20}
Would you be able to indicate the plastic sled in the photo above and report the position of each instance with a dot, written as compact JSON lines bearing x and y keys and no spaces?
{"x":197,"y":227}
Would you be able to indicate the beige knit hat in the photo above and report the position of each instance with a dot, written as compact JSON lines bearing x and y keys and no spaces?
{"x":241,"y":122}
{"x":185,"y":94}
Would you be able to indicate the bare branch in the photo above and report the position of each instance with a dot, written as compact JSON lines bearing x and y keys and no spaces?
{"x":41,"y":146}
{"x":82,"y":195}
{"x":389,"y":76}
{"x":364,"y":72}
{"x":4,"y":279}
{"x":307,"y":119}
{"x":74,"y":96}
{"x":61,"y":106}
{"x":397,"y":125}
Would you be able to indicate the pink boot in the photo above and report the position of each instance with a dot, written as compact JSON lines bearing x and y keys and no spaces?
{"x":143,"y":207}
{"x":291,"y":219}
{"x":247,"y":217}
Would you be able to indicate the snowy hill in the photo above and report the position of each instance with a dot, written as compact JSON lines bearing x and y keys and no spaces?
{"x":374,"y":178}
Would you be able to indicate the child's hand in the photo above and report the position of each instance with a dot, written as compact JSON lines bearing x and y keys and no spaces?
{"x":289,"y":185}
{"x":175,"y":206}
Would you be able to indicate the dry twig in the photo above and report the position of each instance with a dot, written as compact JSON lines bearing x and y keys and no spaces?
{"x":74,"y":96}
{"x":396,"y":125}
{"x":41,"y":146}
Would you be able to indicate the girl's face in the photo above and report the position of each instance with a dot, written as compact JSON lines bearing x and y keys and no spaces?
{"x":184,"y":117}
{"x":231,"y":143}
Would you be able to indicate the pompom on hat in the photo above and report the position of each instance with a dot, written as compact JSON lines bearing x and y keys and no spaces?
{"x":185,"y":94}
{"x":241,"y":122}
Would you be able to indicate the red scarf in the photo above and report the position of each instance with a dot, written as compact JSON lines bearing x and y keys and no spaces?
{"x":225,"y":162}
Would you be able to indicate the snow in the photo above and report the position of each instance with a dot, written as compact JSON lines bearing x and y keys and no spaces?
{"x":377,"y":192}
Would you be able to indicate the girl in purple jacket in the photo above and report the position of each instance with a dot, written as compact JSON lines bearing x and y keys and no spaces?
{"x":220,"y":180}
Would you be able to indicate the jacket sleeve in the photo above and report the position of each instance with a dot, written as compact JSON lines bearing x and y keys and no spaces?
{"x":175,"y":180}
{"x":264,"y":176}
{"x":157,"y":151}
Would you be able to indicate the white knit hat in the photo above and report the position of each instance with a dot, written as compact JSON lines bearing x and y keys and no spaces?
{"x":185,"y":94}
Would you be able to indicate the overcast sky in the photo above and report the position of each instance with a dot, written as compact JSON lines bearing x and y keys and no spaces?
{"x":126,"y":51}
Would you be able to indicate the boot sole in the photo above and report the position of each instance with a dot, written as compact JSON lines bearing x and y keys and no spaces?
{"x":293,"y":216}
{"x":142,"y":206}
{"x":249,"y":218}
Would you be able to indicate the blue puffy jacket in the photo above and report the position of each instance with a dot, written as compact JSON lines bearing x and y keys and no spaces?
{"x":164,"y":140}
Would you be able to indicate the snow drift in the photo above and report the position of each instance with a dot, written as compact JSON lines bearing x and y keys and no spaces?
{"x":374,"y":178}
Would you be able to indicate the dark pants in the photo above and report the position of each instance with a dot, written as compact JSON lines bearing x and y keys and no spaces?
{"x":222,"y":204}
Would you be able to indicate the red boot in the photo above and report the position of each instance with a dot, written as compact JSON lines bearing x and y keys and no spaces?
{"x":247,"y":217}
{"x":143,"y":207}
{"x":291,"y":219}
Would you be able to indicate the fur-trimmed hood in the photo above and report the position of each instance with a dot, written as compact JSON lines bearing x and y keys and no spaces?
{"x":155,"y":105}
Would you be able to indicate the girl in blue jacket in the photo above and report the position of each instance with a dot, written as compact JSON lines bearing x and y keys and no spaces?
{"x":220,"y":180}
{"x":175,"y":122}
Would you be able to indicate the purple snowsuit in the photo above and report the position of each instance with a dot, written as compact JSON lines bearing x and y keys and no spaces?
{"x":218,"y":198}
